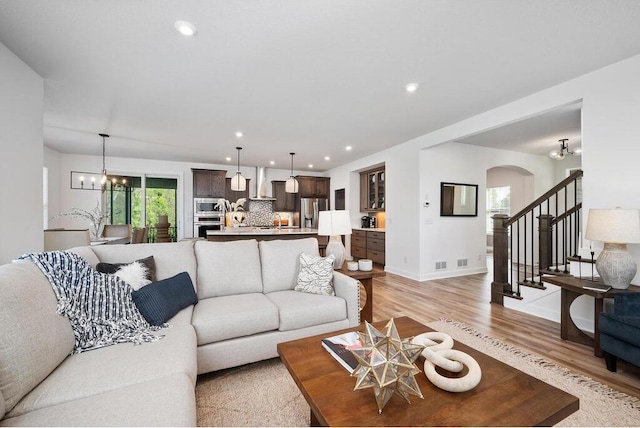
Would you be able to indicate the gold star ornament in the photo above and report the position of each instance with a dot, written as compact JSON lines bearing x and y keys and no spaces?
{"x":386,"y":363}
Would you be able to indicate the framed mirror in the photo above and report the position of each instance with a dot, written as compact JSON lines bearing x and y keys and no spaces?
{"x":458,"y":200}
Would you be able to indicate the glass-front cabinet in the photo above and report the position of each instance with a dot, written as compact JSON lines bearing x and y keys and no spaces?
{"x":372,"y":190}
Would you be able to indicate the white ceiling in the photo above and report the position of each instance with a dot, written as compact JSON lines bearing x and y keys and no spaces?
{"x":309,"y":76}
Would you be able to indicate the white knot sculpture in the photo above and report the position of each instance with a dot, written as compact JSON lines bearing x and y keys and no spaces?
{"x":442,"y":355}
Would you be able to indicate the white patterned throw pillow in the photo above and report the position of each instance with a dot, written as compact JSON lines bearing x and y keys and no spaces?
{"x":316,"y":275}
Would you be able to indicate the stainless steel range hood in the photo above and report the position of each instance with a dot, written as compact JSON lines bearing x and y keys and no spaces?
{"x":261,"y":185}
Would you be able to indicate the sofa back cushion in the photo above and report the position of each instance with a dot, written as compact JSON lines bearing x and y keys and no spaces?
{"x":226,"y":268}
{"x":34,"y":339}
{"x":87,"y":254}
{"x":281,"y":261}
{"x":170,"y":258}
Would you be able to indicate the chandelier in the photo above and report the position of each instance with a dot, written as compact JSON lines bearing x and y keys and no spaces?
{"x":564,"y":150}
{"x":93,"y":180}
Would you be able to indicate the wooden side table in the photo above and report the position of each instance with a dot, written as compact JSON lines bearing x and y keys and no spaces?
{"x":571,"y":289}
{"x":366,"y":279}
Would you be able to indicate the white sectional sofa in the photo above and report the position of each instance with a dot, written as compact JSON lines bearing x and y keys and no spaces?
{"x":247,"y":305}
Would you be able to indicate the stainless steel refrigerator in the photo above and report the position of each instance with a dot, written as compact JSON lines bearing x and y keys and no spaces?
{"x":309,"y":209}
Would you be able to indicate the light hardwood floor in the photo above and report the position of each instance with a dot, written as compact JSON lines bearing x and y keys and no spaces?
{"x":466,"y":299}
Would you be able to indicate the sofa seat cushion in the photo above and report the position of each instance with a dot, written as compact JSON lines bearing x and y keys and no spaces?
{"x":228,"y":268}
{"x":622,"y":327}
{"x":300,"y":310}
{"x":166,"y":401}
{"x":227,"y":317}
{"x":95,"y":372}
{"x":34,"y":339}
{"x":280,"y":261}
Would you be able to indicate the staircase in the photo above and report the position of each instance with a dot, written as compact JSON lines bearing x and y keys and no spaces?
{"x":540,"y":239}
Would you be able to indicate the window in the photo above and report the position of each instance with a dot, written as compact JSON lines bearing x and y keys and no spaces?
{"x":140,"y":201}
{"x":498,"y":202}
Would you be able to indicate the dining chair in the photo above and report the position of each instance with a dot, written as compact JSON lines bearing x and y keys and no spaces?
{"x":117,"y":230}
{"x":140,"y":236}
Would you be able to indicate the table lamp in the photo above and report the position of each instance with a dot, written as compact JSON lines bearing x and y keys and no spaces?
{"x":616,"y":228}
{"x":334,"y":224}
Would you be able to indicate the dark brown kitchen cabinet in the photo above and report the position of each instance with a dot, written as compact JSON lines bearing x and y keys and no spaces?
{"x":313,"y":187}
{"x":208,"y":183}
{"x":232,"y":195}
{"x":368,"y":244}
{"x":372,"y":190}
{"x":284,"y":201}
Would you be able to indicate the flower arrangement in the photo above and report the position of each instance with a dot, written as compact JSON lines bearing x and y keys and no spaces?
{"x":231,"y":206}
{"x":97,"y":219}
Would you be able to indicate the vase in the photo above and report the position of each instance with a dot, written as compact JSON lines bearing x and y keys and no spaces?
{"x":96,"y":231}
{"x":234,"y":218}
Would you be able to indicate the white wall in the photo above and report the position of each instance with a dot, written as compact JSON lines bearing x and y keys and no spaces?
{"x":21,"y":113}
{"x":452,"y":238}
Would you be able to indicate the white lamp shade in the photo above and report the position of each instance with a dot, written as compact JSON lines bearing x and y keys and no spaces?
{"x":238,"y":183}
{"x":334,"y":223}
{"x":613,"y":225}
{"x":291,"y":185}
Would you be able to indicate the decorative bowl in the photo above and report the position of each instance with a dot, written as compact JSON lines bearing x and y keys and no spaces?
{"x":365,"y":264}
{"x":352,"y":265}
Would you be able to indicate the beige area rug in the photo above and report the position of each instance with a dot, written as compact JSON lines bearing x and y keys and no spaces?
{"x":263,"y":394}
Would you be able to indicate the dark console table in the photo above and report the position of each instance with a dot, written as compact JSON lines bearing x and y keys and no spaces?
{"x":571,"y":289}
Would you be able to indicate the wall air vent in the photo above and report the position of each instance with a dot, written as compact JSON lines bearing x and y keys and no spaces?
{"x":441,"y":265}
{"x":462,"y":262}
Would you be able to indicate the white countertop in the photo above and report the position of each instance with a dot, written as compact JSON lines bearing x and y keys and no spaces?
{"x":370,"y":229}
{"x":230,"y":231}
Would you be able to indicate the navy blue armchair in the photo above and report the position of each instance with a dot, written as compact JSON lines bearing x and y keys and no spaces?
{"x":620,"y":330}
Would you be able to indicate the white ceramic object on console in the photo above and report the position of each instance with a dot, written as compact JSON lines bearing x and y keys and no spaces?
{"x":352,"y":265}
{"x":365,"y":265}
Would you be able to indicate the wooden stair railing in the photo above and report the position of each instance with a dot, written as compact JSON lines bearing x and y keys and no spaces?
{"x":520,"y":255}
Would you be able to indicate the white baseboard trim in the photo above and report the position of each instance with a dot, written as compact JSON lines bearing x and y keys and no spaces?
{"x":452,"y":273}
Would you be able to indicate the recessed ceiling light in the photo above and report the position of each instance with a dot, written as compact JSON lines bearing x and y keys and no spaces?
{"x":310,"y":165}
{"x":348,"y":148}
{"x":185,"y":28}
{"x":411,"y":87}
{"x":272,"y":162}
{"x":239,"y":134}
{"x":327,"y":158}
{"x":228,"y":159}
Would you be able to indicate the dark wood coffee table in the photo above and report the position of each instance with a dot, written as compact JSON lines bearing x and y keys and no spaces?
{"x":504,"y":397}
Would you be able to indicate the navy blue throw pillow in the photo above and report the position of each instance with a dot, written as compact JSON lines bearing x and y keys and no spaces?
{"x":159,"y":301}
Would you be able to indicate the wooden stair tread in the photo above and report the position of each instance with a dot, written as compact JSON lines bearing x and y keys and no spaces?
{"x":532,"y":284}
{"x":511,"y":294}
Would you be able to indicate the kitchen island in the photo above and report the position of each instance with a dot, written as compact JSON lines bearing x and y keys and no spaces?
{"x":260,"y":233}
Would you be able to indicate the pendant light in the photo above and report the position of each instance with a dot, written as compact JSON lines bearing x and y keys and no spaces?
{"x":103,"y":180}
{"x":238,"y":182}
{"x":291,"y":185}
